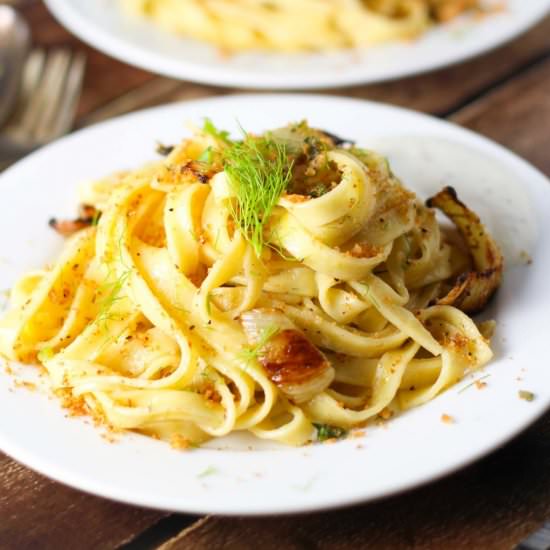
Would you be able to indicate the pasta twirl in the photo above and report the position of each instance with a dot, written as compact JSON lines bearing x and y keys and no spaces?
{"x":265,"y":284}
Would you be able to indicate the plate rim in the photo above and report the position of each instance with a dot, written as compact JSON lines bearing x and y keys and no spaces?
{"x":141,"y":57}
{"x":47,"y":466}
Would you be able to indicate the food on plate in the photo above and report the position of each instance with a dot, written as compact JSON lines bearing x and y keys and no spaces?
{"x":298,"y":25}
{"x":285,"y":283}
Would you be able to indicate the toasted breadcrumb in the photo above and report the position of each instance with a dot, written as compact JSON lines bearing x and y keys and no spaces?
{"x":24,"y":384}
{"x":177,"y":441}
{"x":297,"y":198}
{"x":109,"y":437}
{"x":363,"y":250}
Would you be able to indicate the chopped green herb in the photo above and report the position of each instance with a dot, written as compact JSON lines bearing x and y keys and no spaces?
{"x":45,"y":354}
{"x":473,"y":383}
{"x":526,"y":395}
{"x":306,"y":486}
{"x":251,"y":354}
{"x":163,"y":150}
{"x":319,"y":190}
{"x":113,"y":288}
{"x":111,"y":337}
{"x":210,"y":129}
{"x":206,"y":156}
{"x":95,"y":219}
{"x":207,"y":375}
{"x":372,"y":299}
{"x":259,"y":172}
{"x":325,"y":431}
{"x":211,"y":470}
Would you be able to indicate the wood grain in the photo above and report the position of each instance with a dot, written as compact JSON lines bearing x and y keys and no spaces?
{"x":444,"y":91}
{"x":516,"y":114}
{"x":36,"y":512}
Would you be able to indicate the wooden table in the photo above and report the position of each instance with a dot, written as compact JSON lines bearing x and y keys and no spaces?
{"x":494,"y":504}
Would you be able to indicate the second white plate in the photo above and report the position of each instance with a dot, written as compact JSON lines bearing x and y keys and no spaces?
{"x":103,"y":25}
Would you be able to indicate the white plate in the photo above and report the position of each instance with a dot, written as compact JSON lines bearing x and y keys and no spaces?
{"x":413,"y":448}
{"x":101,"y":23}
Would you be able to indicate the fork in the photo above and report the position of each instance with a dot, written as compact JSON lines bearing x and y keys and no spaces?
{"x":50,"y":90}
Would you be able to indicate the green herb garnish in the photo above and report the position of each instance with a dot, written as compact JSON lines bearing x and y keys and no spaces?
{"x":164,"y":150}
{"x":206,"y":156}
{"x":207,"y":375}
{"x":371,"y":298}
{"x":526,"y":395}
{"x":251,"y":354}
{"x":211,"y":130}
{"x":306,"y":486}
{"x":113,"y":288}
{"x":319,"y":190}
{"x":45,"y":354}
{"x":259,"y":172}
{"x":473,"y":383}
{"x":95,"y":219}
{"x":211,"y":470}
{"x":326,"y":431}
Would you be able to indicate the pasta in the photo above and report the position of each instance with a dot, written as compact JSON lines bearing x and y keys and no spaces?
{"x":269,"y":284}
{"x":294,"y":25}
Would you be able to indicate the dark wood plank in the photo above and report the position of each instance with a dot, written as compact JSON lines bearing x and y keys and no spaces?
{"x":38,"y":513}
{"x":492,"y":506}
{"x":517,"y":115}
{"x":442,"y":92}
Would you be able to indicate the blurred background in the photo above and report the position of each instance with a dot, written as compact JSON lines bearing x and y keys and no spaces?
{"x":87,"y":86}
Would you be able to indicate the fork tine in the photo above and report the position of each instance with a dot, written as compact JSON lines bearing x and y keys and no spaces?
{"x":39,"y":98}
{"x":35,"y":100}
{"x":32,"y":73}
{"x":52,"y":87}
{"x":65,"y":114}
